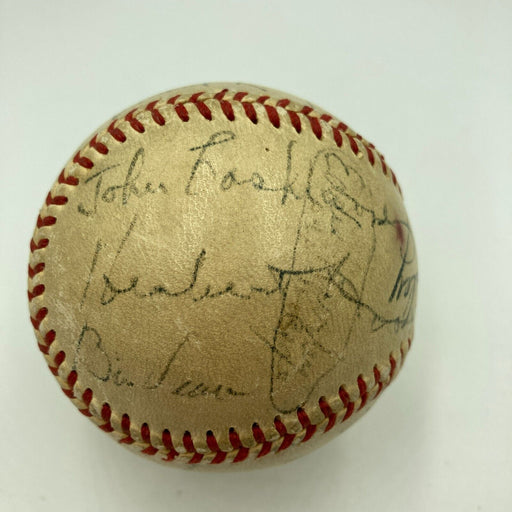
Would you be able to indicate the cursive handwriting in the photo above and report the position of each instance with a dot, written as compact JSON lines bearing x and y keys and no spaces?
{"x":204,"y":168}
{"x":131,"y":186}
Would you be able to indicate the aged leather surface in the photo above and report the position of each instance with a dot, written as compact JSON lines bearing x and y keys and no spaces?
{"x":211,"y":274}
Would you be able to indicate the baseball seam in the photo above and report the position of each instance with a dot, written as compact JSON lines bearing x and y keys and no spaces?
{"x":331,"y":411}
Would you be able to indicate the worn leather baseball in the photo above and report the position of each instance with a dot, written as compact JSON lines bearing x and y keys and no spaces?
{"x":224,"y":276}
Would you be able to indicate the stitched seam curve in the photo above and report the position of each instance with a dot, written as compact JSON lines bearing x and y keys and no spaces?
{"x":162,"y":443}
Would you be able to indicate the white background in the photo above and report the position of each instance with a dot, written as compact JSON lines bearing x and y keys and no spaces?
{"x":430,"y":82}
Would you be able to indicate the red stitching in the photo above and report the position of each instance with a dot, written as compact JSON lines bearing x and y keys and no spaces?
{"x":295,"y":120}
{"x":83,"y":161}
{"x":86,"y":399}
{"x":195,"y":97}
{"x":182,"y":112}
{"x":392,"y":363}
{"x":353,"y":144}
{"x":116,"y":132}
{"x":71,"y":380}
{"x":347,"y":403}
{"x":188,"y":443}
{"x":259,"y":437}
{"x":384,"y":167}
{"x":146,"y":437}
{"x":98,"y":146}
{"x":134,"y":123}
{"x":32,"y":271}
{"x":36,"y":291}
{"x":213,"y":445}
{"x":173,"y":100}
{"x":250,"y":111}
{"x":316,"y":127}
{"x":327,"y":412}
{"x":283,"y":432}
{"x":376,"y":374}
{"x":234,"y":439}
{"x":46,"y":221}
{"x":220,"y":95}
{"x":204,"y":110}
{"x":58,"y":200}
{"x":337,"y":137}
{"x":227,"y":109}
{"x":125,"y":427}
{"x":155,"y":114}
{"x":58,"y":360}
{"x":306,"y":423}
{"x":70,"y":180}
{"x":40,"y":316}
{"x":106,"y":413}
{"x":272,"y":114}
{"x":239,"y":96}
{"x":361,"y":384}
{"x":167,"y":441}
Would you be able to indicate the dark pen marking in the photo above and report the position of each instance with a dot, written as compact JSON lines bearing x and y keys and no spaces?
{"x":189,"y":389}
{"x":230,"y":179}
{"x":216,"y":139}
{"x":128,"y":188}
{"x":97,"y":250}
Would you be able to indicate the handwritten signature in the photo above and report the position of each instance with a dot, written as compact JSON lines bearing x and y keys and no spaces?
{"x":335,"y":203}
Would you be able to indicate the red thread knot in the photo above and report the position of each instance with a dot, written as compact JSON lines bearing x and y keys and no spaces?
{"x":239,"y":96}
{"x":227,"y":109}
{"x":250,"y":111}
{"x":182,"y":112}
{"x":189,"y":446}
{"x":106,"y":413}
{"x":348,"y":404}
{"x":146,"y":437}
{"x":204,"y":110}
{"x":211,"y":441}
{"x":36,"y":291}
{"x":353,"y":145}
{"x":220,"y":95}
{"x":287,"y":438}
{"x":195,"y":97}
{"x":306,"y":423}
{"x":98,"y":146}
{"x":273,"y":116}
{"x":32,"y":271}
{"x":316,"y":127}
{"x":234,"y":439}
{"x":327,"y":412}
{"x":42,"y":244}
{"x":134,"y":123}
{"x":116,"y":133}
{"x":125,"y":427}
{"x":40,"y":316}
{"x":338,"y":139}
{"x":57,"y":200}
{"x":371,"y":158}
{"x":361,"y":384}
{"x":295,"y":120}
{"x":70,"y":180}
{"x":83,"y":161}
{"x":259,"y":437}
{"x":167,"y":441}
{"x":155,"y":114}
{"x":45,"y":221}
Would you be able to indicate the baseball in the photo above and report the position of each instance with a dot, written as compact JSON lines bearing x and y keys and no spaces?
{"x":224,"y":276}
